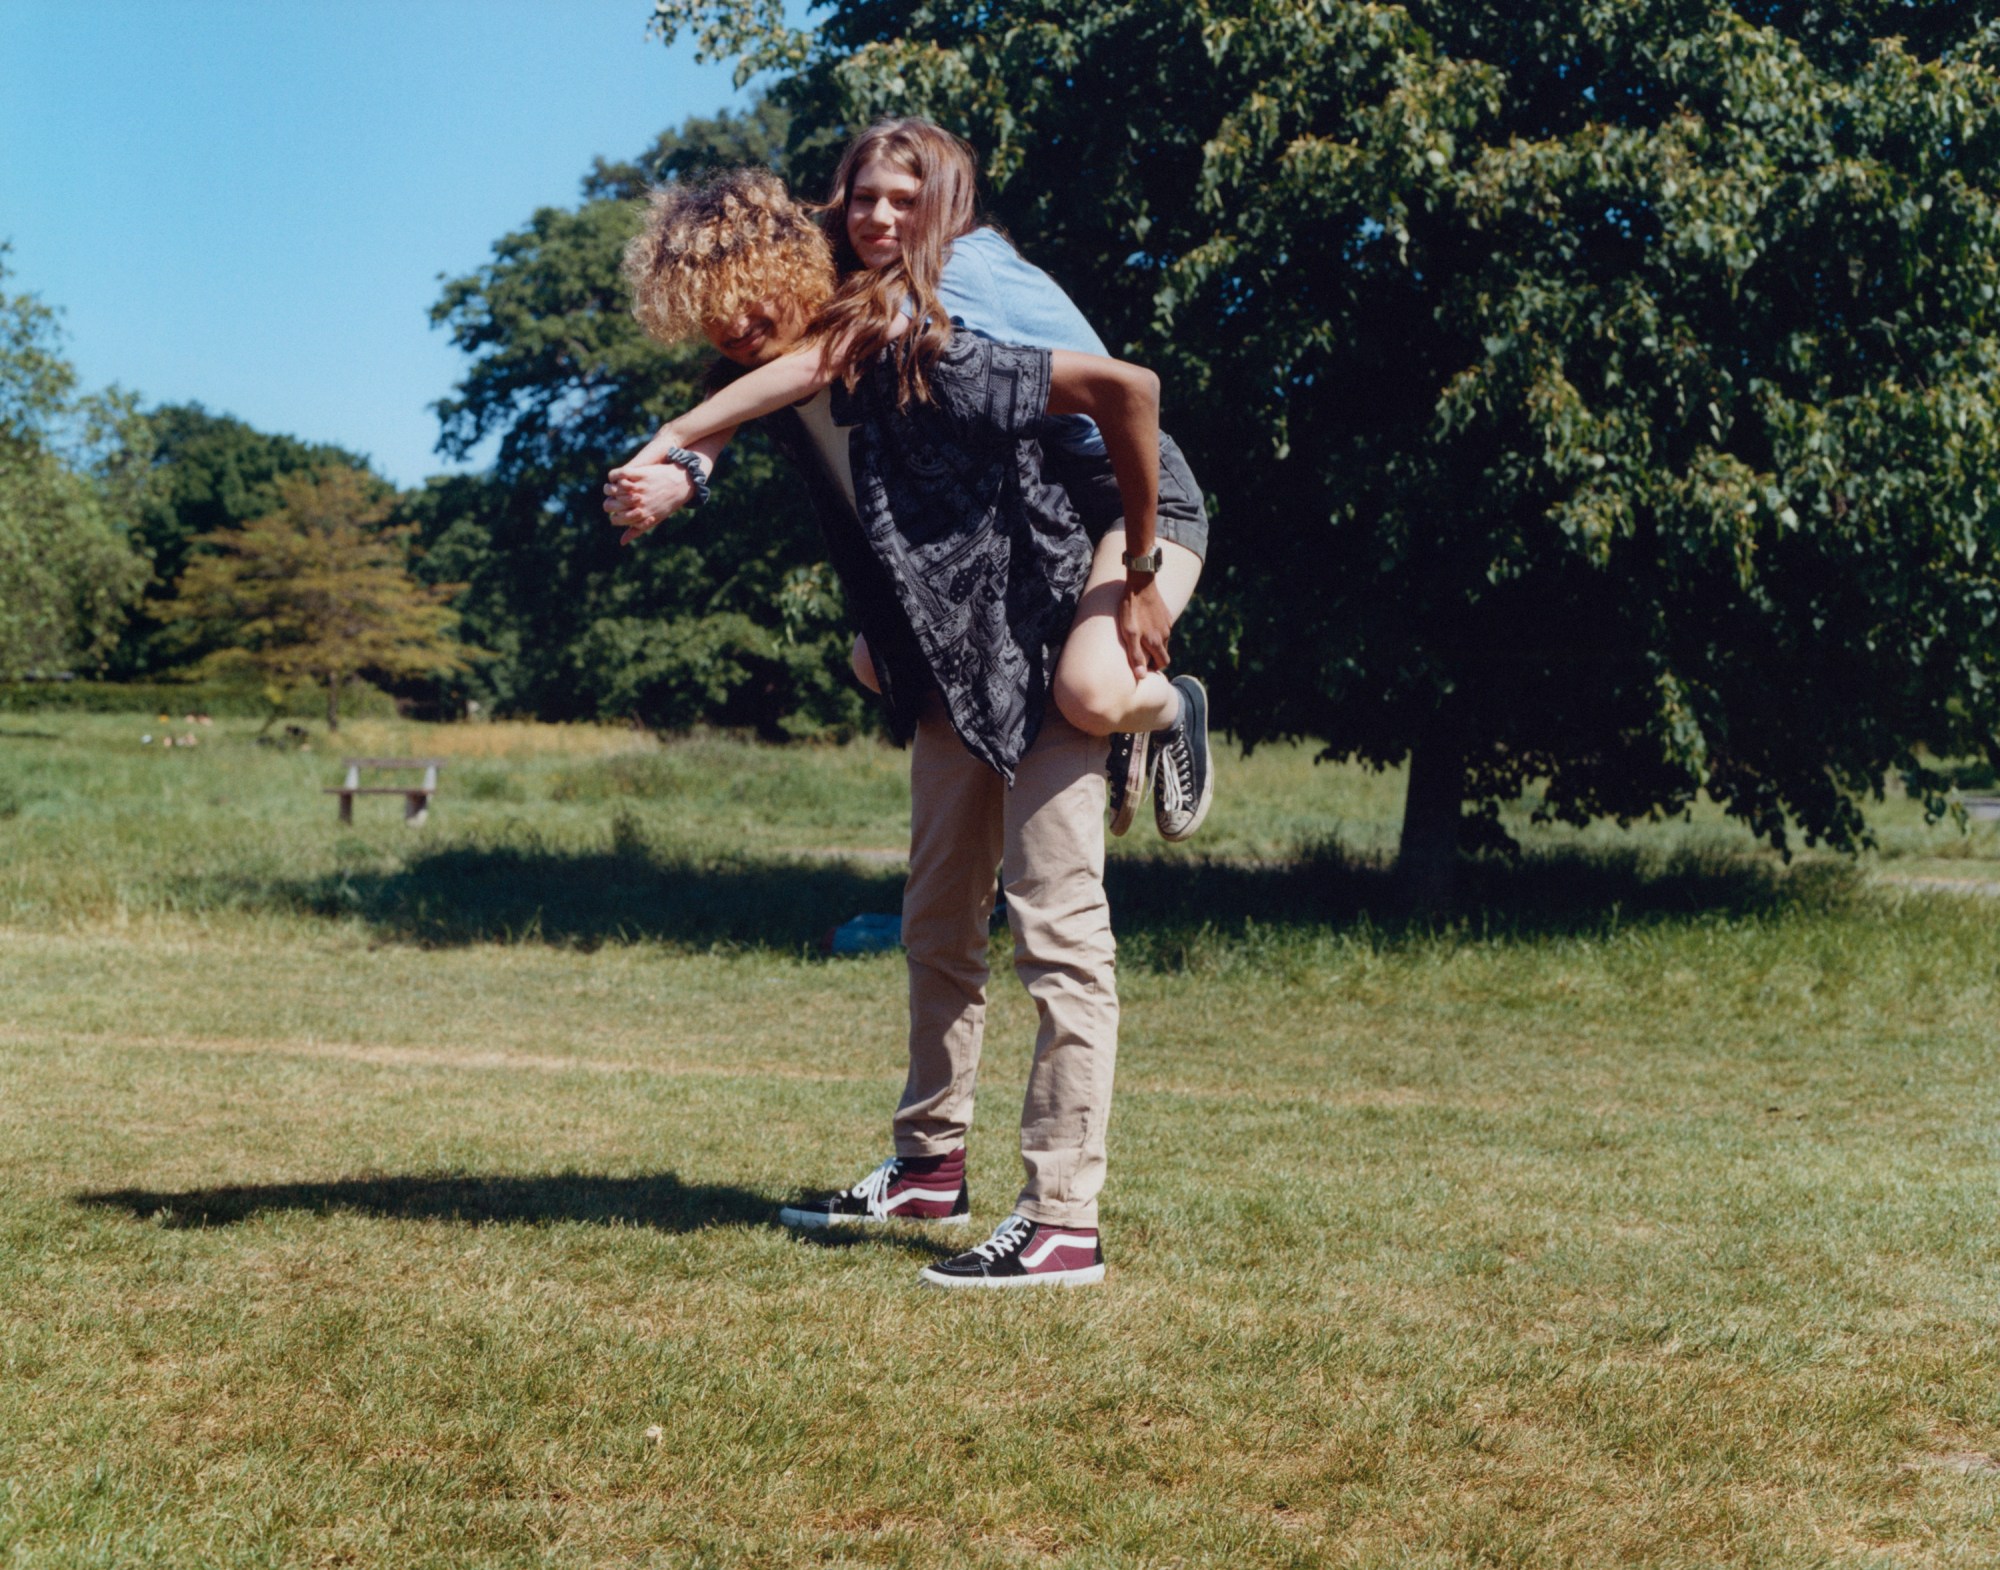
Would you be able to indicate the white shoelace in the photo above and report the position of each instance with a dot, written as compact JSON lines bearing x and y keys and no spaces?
{"x":874,"y":1188}
{"x":1006,"y":1237}
{"x":1171,"y":788}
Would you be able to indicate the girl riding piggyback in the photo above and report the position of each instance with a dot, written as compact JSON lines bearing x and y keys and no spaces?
{"x":915,"y":263}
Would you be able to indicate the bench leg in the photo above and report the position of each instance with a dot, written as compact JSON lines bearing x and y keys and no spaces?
{"x":416,"y":808}
{"x":346,"y":808}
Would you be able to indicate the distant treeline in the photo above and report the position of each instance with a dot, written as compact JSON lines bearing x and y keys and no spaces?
{"x":724,"y":618}
{"x":1598,"y":403}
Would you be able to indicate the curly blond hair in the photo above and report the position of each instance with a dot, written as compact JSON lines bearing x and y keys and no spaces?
{"x":715,"y":246}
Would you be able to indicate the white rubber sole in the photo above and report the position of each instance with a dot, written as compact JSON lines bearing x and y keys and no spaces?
{"x":1200,"y":814}
{"x":1088,"y":1276}
{"x":814,"y":1221}
{"x":1137,"y":777}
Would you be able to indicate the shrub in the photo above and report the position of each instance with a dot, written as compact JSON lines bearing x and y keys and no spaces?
{"x":228,"y":700}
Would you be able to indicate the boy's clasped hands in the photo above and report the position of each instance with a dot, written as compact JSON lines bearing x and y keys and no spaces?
{"x":638,"y":497}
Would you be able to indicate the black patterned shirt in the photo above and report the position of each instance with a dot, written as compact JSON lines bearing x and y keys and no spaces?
{"x":964,"y":566}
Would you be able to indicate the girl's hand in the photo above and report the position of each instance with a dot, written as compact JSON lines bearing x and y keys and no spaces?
{"x":1143,"y":625}
{"x":640,"y":499}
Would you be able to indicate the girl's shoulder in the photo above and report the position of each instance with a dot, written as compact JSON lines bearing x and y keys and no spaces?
{"x":979,"y":253}
{"x":992,"y":288}
{"x":986,"y":243}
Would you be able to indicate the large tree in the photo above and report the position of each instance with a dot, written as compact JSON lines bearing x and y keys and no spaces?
{"x":318,"y":591}
{"x":209,"y":473}
{"x":713,"y":618}
{"x":72,"y":475}
{"x":1598,"y":398}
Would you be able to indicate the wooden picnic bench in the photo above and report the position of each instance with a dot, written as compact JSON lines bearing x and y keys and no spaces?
{"x":416,"y":798}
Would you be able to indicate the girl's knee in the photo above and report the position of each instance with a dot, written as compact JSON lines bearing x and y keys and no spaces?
{"x":1094,"y":706}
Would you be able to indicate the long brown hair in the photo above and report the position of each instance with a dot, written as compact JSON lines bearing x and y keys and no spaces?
{"x":855,"y":324}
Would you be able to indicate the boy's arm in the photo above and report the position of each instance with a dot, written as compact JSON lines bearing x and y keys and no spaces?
{"x":778,"y":385}
{"x":1124,"y":400}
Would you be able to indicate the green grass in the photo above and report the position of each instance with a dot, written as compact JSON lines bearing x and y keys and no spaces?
{"x":385,"y":1197}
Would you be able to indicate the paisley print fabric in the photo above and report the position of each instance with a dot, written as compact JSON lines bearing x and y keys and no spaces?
{"x":973,"y":562}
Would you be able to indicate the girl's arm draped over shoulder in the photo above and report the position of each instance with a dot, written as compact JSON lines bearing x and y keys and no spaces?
{"x":777,"y":385}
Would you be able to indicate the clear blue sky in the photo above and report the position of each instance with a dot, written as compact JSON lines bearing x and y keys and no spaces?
{"x":248,"y":203}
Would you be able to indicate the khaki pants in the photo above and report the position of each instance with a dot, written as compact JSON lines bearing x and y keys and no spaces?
{"x":1046,"y":835}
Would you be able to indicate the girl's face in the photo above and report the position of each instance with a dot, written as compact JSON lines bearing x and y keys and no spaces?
{"x":879,"y":204}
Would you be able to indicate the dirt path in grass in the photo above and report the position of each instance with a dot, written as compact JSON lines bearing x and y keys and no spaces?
{"x":1985,"y":887}
{"x":412,"y":1057}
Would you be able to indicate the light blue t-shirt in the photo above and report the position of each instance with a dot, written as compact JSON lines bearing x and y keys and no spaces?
{"x":995,"y":291}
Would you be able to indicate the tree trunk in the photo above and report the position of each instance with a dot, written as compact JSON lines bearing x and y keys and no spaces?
{"x":332,"y":704}
{"x":1427,"y":855}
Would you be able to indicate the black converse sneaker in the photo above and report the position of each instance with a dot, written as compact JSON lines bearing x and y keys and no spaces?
{"x":903,"y":1188}
{"x":1127,"y":768}
{"x":1185,"y":785}
{"x":1024,"y":1253}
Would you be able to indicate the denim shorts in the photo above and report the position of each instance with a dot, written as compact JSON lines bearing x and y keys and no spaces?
{"x":1093,"y":491}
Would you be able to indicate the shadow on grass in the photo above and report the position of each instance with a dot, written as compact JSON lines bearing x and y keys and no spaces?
{"x":634,"y":890}
{"x":28,"y":735}
{"x":1544,"y":893}
{"x":660,"y":1203}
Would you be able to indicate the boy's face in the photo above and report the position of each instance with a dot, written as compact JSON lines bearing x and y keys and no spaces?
{"x":757,"y":334}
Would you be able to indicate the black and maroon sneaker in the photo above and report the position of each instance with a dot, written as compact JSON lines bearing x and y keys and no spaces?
{"x":1024,"y":1253}
{"x":903,"y":1188}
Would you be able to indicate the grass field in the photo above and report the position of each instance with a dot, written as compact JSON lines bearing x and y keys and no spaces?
{"x":373,"y":1196}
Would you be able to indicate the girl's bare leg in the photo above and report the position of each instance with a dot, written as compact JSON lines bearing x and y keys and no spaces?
{"x":1095,"y":689}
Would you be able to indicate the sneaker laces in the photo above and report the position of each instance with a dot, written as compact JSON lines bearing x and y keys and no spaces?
{"x":874,"y":1188}
{"x":1006,"y":1238}
{"x":1176,"y":781}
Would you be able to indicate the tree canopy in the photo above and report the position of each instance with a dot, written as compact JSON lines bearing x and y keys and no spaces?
{"x":318,"y":591}
{"x":720,"y":616}
{"x":1597,"y":398}
{"x":72,"y":475}
{"x":208,"y":473}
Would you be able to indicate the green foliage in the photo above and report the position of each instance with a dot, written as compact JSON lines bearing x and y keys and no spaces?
{"x":694,"y":624}
{"x":210,"y":472}
{"x":723,"y":669}
{"x":1600,"y":397}
{"x":241,"y":699}
{"x":318,"y":592}
{"x":71,"y":476}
